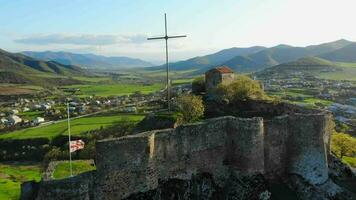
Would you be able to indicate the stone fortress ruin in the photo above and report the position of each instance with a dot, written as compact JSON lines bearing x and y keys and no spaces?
{"x":267,"y":139}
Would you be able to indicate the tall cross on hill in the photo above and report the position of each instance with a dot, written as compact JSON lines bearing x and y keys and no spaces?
{"x":166,"y":37}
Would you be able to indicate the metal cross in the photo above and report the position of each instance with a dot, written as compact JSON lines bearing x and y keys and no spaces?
{"x":166,"y":37}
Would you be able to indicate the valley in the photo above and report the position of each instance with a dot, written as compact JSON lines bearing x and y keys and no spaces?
{"x":102,"y":101}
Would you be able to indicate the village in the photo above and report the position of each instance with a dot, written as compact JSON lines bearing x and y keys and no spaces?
{"x":25,"y":112}
{"x":306,"y":89}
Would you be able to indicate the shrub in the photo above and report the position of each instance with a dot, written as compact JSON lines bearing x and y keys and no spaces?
{"x":191,"y":107}
{"x":88,"y":152}
{"x":198,"y":85}
{"x":343,"y":145}
{"x":243,"y":88}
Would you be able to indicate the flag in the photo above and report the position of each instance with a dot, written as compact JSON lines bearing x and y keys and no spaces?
{"x":76,"y":145}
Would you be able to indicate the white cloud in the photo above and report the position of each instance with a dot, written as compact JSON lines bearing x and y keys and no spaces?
{"x":81,"y":39}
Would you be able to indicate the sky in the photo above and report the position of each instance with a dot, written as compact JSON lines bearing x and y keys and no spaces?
{"x":120,"y":27}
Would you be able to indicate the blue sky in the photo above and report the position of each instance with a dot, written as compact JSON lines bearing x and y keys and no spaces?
{"x":119,"y":27}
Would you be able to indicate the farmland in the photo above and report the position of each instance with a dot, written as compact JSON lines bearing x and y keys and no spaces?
{"x":13,"y":174}
{"x":346,"y":71}
{"x":77,"y":126}
{"x":117,"y":89}
{"x":16,"y":89}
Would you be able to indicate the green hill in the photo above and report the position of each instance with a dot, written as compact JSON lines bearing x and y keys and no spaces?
{"x":306,"y":64}
{"x":211,"y":60}
{"x":256,"y":58}
{"x":311,"y":66}
{"x":18,"y":68}
{"x":283,"y":54}
{"x":88,"y":60}
{"x":345,"y":54}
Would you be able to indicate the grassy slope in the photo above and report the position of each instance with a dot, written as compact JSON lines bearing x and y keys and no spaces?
{"x":77,"y":126}
{"x":307,"y":98}
{"x":79,"y":166}
{"x":347,"y":72}
{"x":12,"y":175}
{"x":116,"y":89}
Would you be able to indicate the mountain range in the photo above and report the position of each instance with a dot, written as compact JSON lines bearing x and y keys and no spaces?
{"x":35,"y":66}
{"x":258,"y":58}
{"x":18,"y":68}
{"x":88,"y":60}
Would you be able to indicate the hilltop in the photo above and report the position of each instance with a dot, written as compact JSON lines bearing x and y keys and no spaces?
{"x":203,"y":62}
{"x":258,"y":58}
{"x":345,"y":54}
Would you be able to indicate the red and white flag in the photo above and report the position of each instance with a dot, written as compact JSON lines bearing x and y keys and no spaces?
{"x":76,"y":145}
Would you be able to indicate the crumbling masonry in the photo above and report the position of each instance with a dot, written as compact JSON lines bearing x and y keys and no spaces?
{"x":296,"y":143}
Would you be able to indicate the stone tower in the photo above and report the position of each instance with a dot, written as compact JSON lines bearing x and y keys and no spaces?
{"x":218,"y":75}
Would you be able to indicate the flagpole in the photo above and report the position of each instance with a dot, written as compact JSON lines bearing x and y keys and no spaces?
{"x":69,"y":139}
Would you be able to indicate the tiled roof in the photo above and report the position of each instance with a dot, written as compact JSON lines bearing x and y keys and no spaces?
{"x":222,"y":69}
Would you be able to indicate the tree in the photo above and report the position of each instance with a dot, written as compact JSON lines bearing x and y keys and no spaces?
{"x":198,"y":85}
{"x":191,"y":107}
{"x":343,"y":145}
{"x":243,"y":88}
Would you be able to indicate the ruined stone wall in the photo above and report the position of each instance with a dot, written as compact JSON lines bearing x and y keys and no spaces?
{"x":307,"y":147}
{"x":137,"y":163}
{"x":298,"y":144}
{"x":288,"y":144}
{"x":77,"y":187}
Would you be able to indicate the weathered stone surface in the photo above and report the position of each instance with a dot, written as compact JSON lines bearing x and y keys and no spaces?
{"x":203,"y":187}
{"x":29,"y":190}
{"x":292,"y":143}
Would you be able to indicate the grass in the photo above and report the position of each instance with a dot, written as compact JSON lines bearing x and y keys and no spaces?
{"x":162,"y":73}
{"x":350,"y":161}
{"x":93,"y":79}
{"x":305,"y":95}
{"x":13,"y":174}
{"x":106,"y":90}
{"x":347,"y":71}
{"x":31,"y":115}
{"x":18,"y":89}
{"x":78,"y":126}
{"x":79,"y":166}
{"x":182,"y":81}
{"x":316,"y":100}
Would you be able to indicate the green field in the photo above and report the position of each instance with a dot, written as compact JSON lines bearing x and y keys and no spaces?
{"x":77,"y":126}
{"x":13,"y":174}
{"x":162,"y":73}
{"x":93,"y":79}
{"x":304,"y":95}
{"x":118,"y":89}
{"x":79,"y":166}
{"x":347,"y":71}
{"x":182,"y":81}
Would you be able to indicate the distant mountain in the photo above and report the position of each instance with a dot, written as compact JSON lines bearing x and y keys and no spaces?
{"x":345,"y":54}
{"x":258,"y":58}
{"x":211,"y":59}
{"x":328,"y":47}
{"x":18,"y":68}
{"x":282,"y":54}
{"x":88,"y":60}
{"x":23,"y":64}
